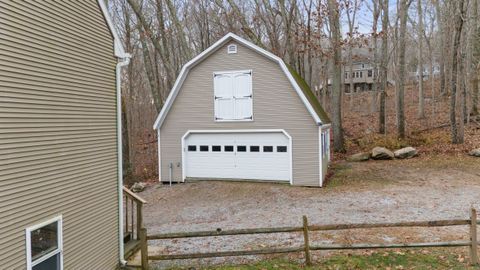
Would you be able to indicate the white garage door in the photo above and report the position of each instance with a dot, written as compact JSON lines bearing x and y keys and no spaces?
{"x":256,"y":156}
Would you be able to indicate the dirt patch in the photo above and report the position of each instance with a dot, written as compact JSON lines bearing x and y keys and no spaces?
{"x":427,"y":188}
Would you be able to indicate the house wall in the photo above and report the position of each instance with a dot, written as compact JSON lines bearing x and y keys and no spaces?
{"x":276,"y":105}
{"x":58,"y":151}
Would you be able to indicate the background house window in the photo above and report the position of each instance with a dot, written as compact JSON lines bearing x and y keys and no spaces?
{"x":369,"y":73}
{"x":44,"y":245}
{"x":233,"y":96}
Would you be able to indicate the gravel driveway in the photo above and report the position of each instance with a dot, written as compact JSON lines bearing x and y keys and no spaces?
{"x":388,"y":191}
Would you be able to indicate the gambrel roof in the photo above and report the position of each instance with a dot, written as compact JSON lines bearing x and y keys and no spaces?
{"x":301,"y":87}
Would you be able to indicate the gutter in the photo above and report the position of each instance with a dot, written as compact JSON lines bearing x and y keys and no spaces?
{"x":124,"y":61}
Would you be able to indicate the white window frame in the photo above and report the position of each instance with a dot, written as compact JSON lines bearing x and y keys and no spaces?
{"x":59,"y":250}
{"x":214,"y":103}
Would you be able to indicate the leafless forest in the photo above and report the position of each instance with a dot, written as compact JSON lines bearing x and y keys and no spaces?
{"x":424,"y":53}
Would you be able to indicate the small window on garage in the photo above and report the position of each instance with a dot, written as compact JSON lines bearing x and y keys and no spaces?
{"x":268,"y":149}
{"x":281,"y":149}
{"x":192,"y":148}
{"x":241,"y":148}
{"x":216,"y":148}
{"x":203,"y":148}
{"x":254,"y":148}
{"x":228,"y":148}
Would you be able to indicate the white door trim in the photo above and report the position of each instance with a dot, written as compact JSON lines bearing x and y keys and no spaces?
{"x":238,"y":131}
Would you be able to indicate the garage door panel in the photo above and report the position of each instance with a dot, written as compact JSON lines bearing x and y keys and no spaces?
{"x":252,"y":156}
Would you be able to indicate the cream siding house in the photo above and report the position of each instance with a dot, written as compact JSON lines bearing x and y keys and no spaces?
{"x":237,"y":112}
{"x":60,"y":150}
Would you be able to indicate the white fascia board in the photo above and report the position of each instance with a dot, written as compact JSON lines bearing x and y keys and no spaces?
{"x":118,"y":47}
{"x":181,"y":78}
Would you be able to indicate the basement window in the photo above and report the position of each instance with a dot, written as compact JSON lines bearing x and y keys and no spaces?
{"x":192,"y":148}
{"x":44,"y":245}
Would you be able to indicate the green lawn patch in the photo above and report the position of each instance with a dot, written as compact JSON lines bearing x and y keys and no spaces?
{"x":392,"y":260}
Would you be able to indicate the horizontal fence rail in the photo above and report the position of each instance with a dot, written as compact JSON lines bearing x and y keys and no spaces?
{"x":307,"y":247}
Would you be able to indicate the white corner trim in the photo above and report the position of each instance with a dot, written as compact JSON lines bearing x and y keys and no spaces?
{"x":320,"y":156}
{"x":290,"y":144}
{"x":28,"y":241}
{"x":181,"y":77}
{"x":159,"y":157}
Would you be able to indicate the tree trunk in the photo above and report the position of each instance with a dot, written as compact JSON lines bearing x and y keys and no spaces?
{"x":401,"y":70}
{"x":453,"y":85}
{"x":475,"y":60}
{"x":383,"y":68}
{"x":421,"y":95}
{"x":376,"y":14}
{"x":334,"y":22}
{"x":441,"y":32}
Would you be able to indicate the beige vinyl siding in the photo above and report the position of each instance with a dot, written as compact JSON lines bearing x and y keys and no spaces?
{"x":58,"y":151}
{"x":276,"y":105}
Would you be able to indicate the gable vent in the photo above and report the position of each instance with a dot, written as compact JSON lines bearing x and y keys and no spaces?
{"x":232,"y":48}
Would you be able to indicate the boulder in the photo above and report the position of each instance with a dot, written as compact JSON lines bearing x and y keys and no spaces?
{"x":475,"y":152}
{"x":359,"y":157}
{"x":382,"y":153}
{"x":407,"y":152}
{"x":138,"y":187}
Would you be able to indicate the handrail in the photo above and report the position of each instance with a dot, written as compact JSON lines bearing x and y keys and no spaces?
{"x":133,"y":195}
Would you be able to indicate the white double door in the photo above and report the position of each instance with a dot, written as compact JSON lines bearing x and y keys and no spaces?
{"x":255,"y":156}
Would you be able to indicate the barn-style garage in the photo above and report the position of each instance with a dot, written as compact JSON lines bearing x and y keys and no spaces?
{"x":237,"y":112}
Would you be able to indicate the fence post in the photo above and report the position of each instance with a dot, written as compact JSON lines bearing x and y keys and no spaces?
{"x":473,"y":237}
{"x":308,"y":260}
{"x":144,"y":248}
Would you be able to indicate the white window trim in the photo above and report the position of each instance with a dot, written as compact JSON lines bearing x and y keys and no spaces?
{"x":59,"y":250}
{"x":232,"y":120}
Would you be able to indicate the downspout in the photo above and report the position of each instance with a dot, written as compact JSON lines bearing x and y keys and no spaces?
{"x":123,"y":61}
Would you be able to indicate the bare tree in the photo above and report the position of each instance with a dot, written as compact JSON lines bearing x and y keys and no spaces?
{"x":383,"y":67}
{"x":456,"y":134}
{"x":336,"y":41}
{"x":400,"y":96}
{"x":420,"y":30}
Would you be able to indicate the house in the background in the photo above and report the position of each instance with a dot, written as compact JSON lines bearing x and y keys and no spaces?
{"x":362,"y":76}
{"x":60,"y":139}
{"x":237,"y":112}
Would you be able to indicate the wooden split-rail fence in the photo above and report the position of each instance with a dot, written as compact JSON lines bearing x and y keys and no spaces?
{"x":307,"y":247}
